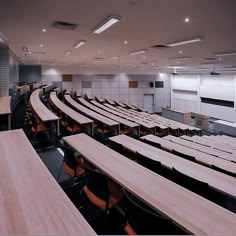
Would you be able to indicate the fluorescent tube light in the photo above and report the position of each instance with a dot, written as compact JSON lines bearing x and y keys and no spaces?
{"x":80,"y":43}
{"x":188,"y":41}
{"x":1,"y":39}
{"x":68,"y":52}
{"x":138,"y":52}
{"x":179,"y":58}
{"x":106,"y":24}
{"x":224,"y":54}
{"x":115,"y":57}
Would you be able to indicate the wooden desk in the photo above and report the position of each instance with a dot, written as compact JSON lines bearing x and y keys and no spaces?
{"x":110,"y":102}
{"x":220,"y":139}
{"x":210,"y":144}
{"x":46,"y":88}
{"x":23,"y":89}
{"x":200,"y":157}
{"x":80,"y":119}
{"x":41,"y":110}
{"x":120,"y":104}
{"x":191,"y":212}
{"x":129,"y":106}
{"x":122,"y":121}
{"x":199,"y":147}
{"x":108,"y":122}
{"x":215,"y":179}
{"x":99,"y":99}
{"x":36,"y":85}
{"x":148,"y":125}
{"x":32,"y":202}
{"x":57,"y":90}
{"x":5,"y":108}
{"x":177,"y":115}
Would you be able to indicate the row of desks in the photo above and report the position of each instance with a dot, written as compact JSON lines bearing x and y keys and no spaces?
{"x":31,"y":201}
{"x":191,"y":212}
{"x":200,"y":157}
{"x":215,"y":179}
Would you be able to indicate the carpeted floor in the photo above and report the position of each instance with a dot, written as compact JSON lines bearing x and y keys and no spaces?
{"x":53,"y":161}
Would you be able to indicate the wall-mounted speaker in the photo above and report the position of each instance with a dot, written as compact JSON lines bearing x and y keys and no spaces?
{"x":151,"y":84}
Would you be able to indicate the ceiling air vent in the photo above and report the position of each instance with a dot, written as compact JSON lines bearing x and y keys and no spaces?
{"x":62,"y":25}
{"x":159,"y":46}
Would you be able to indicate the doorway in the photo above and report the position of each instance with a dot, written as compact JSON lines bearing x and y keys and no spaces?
{"x":148,"y":102}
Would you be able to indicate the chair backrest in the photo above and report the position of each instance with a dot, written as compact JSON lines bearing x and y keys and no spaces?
{"x":148,"y":163}
{"x":185,"y":156}
{"x":154,"y":144}
{"x":69,"y":156}
{"x":190,"y":183}
{"x":116,"y":147}
{"x":145,"y":220}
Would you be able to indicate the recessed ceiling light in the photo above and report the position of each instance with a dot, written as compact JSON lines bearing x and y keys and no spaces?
{"x":106,"y":24}
{"x":41,"y":45}
{"x":188,"y":41}
{"x":80,"y":43}
{"x":138,"y":52}
{"x":44,"y":30}
{"x":180,"y":52}
{"x":187,"y":19}
{"x":219,"y":59}
{"x":224,"y":54}
{"x":125,"y":42}
{"x":99,"y":52}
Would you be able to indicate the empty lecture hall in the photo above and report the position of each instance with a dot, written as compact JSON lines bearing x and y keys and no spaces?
{"x":117,"y":117}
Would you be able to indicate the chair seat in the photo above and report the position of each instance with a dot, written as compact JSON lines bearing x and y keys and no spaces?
{"x":39,"y":128}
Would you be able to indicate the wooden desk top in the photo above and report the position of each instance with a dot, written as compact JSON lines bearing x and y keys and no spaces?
{"x":31,"y":201}
{"x":110,"y":102}
{"x":90,"y":113}
{"x":112,"y":110}
{"x":68,"y":111}
{"x":109,"y":115}
{"x":198,"y":147}
{"x":215,"y":179}
{"x":199,"y":156}
{"x":218,"y":146}
{"x":194,"y":213}
{"x":41,"y":110}
{"x":5,"y":105}
{"x":220,"y":139}
{"x":130,"y":106}
{"x":136,"y":118}
{"x":99,"y":99}
{"x":120,"y":104}
{"x":207,"y":144}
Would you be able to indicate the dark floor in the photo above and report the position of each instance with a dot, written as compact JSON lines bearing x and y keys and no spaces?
{"x":53,"y":161}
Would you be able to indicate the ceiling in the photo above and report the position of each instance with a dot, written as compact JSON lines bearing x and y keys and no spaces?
{"x":143,"y":23}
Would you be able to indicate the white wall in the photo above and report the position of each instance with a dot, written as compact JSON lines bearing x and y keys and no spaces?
{"x":187,"y":90}
{"x":114,"y":86}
